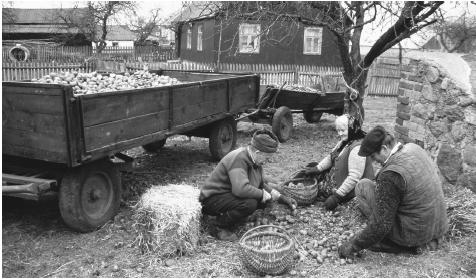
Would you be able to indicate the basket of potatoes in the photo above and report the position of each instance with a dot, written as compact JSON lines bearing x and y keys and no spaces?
{"x":302,"y":188}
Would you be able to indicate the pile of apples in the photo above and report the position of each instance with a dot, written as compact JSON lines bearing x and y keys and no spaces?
{"x":92,"y":83}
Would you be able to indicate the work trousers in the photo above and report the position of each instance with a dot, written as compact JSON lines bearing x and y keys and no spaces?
{"x":367,"y":203}
{"x":229,"y":209}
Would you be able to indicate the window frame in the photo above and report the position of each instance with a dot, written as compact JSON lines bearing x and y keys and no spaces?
{"x":256,"y":49}
{"x":200,"y":37}
{"x":189,"y":37}
{"x":318,"y":38}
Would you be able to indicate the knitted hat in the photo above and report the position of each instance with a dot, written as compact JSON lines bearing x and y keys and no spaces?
{"x":373,"y":141}
{"x":265,"y":141}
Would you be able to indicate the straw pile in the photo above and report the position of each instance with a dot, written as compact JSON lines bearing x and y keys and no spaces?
{"x":461,"y":212}
{"x":167,"y":220}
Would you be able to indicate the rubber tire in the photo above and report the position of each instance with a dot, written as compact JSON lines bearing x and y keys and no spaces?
{"x":282,"y":123}
{"x":70,"y":195}
{"x":154,"y":146}
{"x":312,"y":116}
{"x":218,"y":148}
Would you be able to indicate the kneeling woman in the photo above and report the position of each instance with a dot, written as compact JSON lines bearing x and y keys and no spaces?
{"x":343,"y":165}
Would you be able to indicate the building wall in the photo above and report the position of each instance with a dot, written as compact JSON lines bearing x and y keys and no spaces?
{"x":439,"y":113}
{"x":208,"y":53}
{"x":288,"y":51}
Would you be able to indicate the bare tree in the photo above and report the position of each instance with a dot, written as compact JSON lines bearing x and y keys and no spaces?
{"x":144,"y":26}
{"x":346,"y":20}
{"x":7,"y":15}
{"x":93,"y":23}
{"x":457,"y":34}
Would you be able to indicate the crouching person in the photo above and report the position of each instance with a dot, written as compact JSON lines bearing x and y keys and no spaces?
{"x":405,"y":206}
{"x":343,"y":166}
{"x":236,"y":188}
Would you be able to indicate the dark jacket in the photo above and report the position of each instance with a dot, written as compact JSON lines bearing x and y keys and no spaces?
{"x":235,"y":173}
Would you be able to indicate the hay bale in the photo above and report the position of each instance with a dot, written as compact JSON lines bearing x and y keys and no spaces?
{"x":461,"y":212}
{"x":167,"y":220}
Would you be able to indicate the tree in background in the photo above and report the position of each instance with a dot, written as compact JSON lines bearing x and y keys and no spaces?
{"x":144,"y":26}
{"x":93,"y":20}
{"x":457,"y":34}
{"x":346,"y":20}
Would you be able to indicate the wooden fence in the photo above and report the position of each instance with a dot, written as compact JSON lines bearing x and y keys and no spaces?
{"x":28,"y":71}
{"x":383,"y":77}
{"x":77,"y":54}
{"x":305,"y":75}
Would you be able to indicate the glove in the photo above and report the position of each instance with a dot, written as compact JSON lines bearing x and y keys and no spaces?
{"x":348,"y":250}
{"x":266,"y":196}
{"x":311,"y":171}
{"x":332,"y":202}
{"x":288,"y":201}
{"x":275,"y":195}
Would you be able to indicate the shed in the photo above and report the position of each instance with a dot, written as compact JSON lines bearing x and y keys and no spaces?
{"x":39,"y":24}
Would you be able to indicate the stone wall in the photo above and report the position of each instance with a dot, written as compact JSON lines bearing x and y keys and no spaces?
{"x":437,"y":110}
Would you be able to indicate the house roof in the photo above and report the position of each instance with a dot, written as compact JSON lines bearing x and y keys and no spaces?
{"x":119,"y":33}
{"x":44,"y":28}
{"x":37,"y":16}
{"x":193,"y":11}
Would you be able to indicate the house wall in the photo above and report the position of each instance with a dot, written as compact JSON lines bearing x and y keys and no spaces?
{"x":208,"y":53}
{"x":288,"y":51}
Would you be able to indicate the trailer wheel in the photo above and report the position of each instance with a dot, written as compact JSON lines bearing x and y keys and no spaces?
{"x":312,"y":116}
{"x":222,"y":138}
{"x":90,"y":195}
{"x":154,"y":146}
{"x":282,"y":123}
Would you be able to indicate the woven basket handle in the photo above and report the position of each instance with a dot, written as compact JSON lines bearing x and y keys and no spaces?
{"x":262,"y":227}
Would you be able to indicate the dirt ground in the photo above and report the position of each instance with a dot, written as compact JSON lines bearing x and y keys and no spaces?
{"x":36,"y":243}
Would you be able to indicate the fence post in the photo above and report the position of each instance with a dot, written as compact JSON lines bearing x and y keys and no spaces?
{"x":296,"y":75}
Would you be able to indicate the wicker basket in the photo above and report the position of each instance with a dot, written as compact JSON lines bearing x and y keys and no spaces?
{"x":305,"y":194}
{"x":266,"y":250}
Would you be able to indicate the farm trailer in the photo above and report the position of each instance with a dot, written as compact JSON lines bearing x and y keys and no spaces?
{"x":59,"y":144}
{"x":277,"y":105}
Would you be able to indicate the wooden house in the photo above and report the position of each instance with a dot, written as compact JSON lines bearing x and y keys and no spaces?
{"x":207,"y":39}
{"x":40,"y":25}
{"x":118,"y":36}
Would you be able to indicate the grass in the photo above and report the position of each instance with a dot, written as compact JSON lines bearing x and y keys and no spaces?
{"x":36,"y":243}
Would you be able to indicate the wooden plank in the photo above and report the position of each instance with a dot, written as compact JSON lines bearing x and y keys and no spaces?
{"x":103,"y":108}
{"x":27,"y":121}
{"x":105,"y":134}
{"x":56,"y":156}
{"x":243,"y":94}
{"x":199,"y":93}
{"x":30,"y":101}
{"x":194,"y":111}
{"x":17,"y":179}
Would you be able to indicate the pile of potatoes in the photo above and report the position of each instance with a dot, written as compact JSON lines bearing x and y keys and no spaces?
{"x":300,"y":88}
{"x":92,"y":83}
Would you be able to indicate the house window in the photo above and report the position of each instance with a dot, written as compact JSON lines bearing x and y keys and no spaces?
{"x":189,"y":38}
{"x":199,"y":37}
{"x":249,"y":38}
{"x":312,"y":40}
{"x":115,"y":44}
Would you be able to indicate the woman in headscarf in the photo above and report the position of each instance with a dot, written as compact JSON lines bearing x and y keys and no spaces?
{"x":343,"y":167}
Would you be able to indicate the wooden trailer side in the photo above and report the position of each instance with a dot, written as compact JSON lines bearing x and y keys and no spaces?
{"x":35,"y":123}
